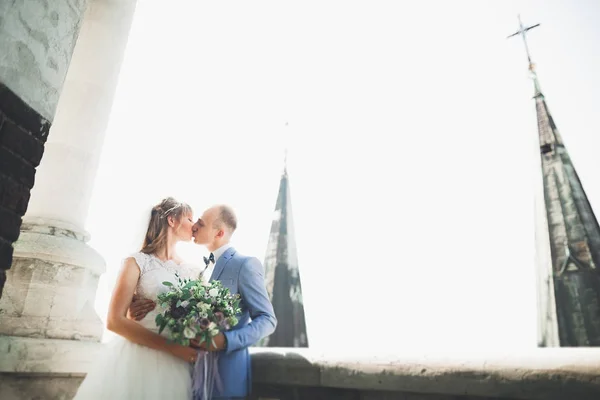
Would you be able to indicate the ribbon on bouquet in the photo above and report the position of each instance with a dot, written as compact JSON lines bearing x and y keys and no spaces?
{"x":205,"y":375}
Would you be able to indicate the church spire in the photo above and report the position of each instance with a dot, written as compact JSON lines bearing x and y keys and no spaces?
{"x":548,"y":137}
{"x":568,"y":240}
{"x":282,"y":275}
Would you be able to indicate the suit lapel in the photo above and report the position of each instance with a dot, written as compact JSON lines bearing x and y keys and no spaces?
{"x":221,"y":263}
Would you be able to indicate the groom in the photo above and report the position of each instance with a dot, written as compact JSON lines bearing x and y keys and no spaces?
{"x":243,"y":275}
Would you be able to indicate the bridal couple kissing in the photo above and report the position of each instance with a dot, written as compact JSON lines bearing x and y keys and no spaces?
{"x":145,"y":361}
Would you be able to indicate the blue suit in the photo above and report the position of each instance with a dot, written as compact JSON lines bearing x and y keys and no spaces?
{"x":243,"y":275}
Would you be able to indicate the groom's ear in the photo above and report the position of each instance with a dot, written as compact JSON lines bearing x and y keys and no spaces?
{"x":221,"y":233}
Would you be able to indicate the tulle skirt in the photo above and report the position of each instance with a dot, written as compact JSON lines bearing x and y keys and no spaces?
{"x":129,"y":371}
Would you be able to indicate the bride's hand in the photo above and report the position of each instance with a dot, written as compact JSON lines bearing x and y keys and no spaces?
{"x":186,"y":353}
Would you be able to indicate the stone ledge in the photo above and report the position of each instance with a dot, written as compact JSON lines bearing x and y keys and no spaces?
{"x":47,"y":356}
{"x":57,"y":248}
{"x":548,"y":374}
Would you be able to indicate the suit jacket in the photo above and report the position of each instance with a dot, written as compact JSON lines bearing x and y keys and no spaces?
{"x":243,"y":275}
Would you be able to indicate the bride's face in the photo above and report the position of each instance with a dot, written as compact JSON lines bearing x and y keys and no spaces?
{"x":183,"y":231}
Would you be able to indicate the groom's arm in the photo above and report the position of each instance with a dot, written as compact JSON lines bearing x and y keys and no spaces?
{"x":252,"y":288}
{"x":139,"y":307}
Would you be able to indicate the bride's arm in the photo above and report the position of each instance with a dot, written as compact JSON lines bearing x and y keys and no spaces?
{"x":117,"y":316}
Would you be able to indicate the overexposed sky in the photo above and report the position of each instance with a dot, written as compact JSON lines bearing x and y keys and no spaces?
{"x":412,"y":151}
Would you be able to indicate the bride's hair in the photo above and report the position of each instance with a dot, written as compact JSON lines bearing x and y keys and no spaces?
{"x":156,"y":235}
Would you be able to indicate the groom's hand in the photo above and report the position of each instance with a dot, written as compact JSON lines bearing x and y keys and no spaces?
{"x":139,"y":307}
{"x":218,"y":340}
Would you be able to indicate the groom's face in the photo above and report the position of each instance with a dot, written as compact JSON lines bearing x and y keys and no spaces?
{"x":203,"y":230}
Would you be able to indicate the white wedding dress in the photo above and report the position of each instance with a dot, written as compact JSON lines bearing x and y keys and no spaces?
{"x":127,"y":370}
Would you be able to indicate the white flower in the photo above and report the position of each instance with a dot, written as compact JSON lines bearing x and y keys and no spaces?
{"x":212,"y":325}
{"x":203,"y":315}
{"x":214,"y":292}
{"x":185,"y":303}
{"x":214,"y":332}
{"x":189,"y":333}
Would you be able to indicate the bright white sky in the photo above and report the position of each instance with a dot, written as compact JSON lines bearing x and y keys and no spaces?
{"x":412,"y":151}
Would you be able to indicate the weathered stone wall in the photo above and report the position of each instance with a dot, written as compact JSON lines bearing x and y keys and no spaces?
{"x":38,"y":387}
{"x":48,"y":369}
{"x":269,"y":392}
{"x":23,"y":133}
{"x":36,"y":43}
{"x":50,"y":299}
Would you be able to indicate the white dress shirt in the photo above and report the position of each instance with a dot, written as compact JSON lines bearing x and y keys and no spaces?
{"x":211,"y":265}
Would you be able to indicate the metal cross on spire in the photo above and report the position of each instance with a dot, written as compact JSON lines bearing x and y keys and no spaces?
{"x":523,"y":32}
{"x":285,"y":150}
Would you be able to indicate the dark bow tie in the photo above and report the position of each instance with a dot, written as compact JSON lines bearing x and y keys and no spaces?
{"x":210,"y":259}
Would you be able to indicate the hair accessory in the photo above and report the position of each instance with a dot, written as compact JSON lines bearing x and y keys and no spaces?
{"x":166,"y":213}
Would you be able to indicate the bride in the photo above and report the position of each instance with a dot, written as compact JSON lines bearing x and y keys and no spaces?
{"x":140,"y":363}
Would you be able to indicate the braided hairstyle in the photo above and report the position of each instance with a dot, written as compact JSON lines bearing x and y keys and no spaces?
{"x":156,"y":235}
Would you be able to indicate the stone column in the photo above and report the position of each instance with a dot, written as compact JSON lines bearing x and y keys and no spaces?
{"x":48,"y":312}
{"x":36,"y":44}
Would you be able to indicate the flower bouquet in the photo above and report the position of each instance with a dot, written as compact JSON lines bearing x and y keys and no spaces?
{"x":197,"y":310}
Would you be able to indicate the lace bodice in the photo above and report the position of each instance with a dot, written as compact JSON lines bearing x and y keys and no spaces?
{"x":153,"y":272}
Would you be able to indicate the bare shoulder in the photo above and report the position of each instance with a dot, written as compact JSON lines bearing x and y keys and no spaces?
{"x":131,"y":266}
{"x":139,"y":260}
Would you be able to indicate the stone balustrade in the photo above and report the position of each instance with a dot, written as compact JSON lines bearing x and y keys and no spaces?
{"x":540,"y":374}
{"x":292,"y":374}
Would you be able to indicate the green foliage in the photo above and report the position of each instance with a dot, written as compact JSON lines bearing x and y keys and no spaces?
{"x":196,"y":310}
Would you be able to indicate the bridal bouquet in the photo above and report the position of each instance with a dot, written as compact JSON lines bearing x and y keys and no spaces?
{"x":197,"y":310}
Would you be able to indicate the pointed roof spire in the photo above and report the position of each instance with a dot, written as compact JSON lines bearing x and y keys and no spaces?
{"x":282,"y":275}
{"x":549,"y":135}
{"x":569,"y":284}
